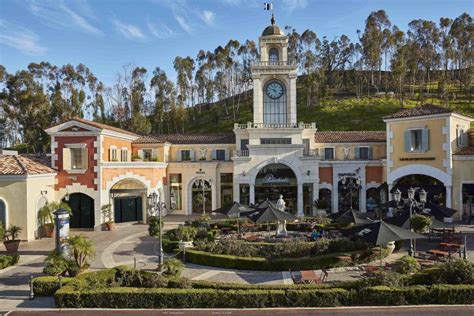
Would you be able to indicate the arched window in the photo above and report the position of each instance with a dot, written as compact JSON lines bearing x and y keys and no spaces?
{"x":274,"y":103}
{"x":3,"y":213}
{"x":273,"y":56}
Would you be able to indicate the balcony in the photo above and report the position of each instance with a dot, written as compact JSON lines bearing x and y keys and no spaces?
{"x":242,"y":153}
{"x":273,"y":63}
{"x":311,"y":153}
{"x":251,"y":125}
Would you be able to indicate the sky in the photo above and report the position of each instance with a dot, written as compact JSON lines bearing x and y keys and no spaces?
{"x":105,"y":35}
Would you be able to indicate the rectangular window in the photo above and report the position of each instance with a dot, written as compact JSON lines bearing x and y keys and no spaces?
{"x":124,"y":155}
{"x":185,"y":155}
{"x":76,"y":158}
{"x":147,"y":153}
{"x":176,"y":191}
{"x":227,"y":190}
{"x":416,"y":137}
{"x":460,"y":137}
{"x":416,"y":140}
{"x":275,"y":141}
{"x":329,"y":153}
{"x":113,"y":154}
{"x":363,"y":153}
{"x":220,"y":154}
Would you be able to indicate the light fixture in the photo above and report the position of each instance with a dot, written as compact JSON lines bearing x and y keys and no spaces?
{"x":397,"y":195}
{"x":308,"y":172}
{"x":44,"y":192}
{"x":66,"y":197}
{"x":423,"y":196}
{"x":411,"y":194}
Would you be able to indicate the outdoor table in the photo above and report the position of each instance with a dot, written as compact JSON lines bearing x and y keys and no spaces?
{"x":309,"y":277}
{"x":450,"y":246}
{"x":438,"y":253}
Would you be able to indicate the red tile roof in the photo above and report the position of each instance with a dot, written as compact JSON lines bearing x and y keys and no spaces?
{"x":350,"y":137}
{"x":421,"y":110}
{"x":21,"y":165}
{"x":219,"y":138}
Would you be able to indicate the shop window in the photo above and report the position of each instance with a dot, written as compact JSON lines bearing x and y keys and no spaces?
{"x":226,"y":189}
{"x":244,"y":190}
{"x":176,"y":191}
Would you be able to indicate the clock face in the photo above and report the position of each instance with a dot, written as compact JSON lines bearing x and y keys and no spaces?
{"x":274,"y":90}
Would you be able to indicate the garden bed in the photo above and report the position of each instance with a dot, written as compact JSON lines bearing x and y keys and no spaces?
{"x":8,"y":260}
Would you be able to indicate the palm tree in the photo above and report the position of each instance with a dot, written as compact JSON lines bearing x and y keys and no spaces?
{"x":173,"y":267}
{"x":82,"y":249}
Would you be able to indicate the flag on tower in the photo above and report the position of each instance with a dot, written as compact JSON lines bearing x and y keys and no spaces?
{"x":268,"y":6}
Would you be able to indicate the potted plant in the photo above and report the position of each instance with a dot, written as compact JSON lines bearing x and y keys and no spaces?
{"x":81,"y":250}
{"x":11,"y":240}
{"x":107,"y":214}
{"x":185,"y":235}
{"x":46,"y":217}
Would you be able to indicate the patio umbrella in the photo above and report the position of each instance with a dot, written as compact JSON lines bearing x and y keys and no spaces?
{"x":265,"y":204}
{"x":438,"y":211}
{"x":352,"y":216}
{"x":235,"y":209}
{"x":270,"y":214}
{"x":403,"y":220}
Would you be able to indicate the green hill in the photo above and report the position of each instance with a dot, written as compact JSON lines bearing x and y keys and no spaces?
{"x":338,"y":114}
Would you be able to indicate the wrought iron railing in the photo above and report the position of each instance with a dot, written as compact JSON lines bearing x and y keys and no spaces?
{"x":250,"y":125}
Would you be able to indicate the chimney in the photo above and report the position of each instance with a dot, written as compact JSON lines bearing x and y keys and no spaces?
{"x":8,"y":152}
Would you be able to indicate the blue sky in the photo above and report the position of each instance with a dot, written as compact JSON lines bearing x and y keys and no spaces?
{"x":106,"y":34}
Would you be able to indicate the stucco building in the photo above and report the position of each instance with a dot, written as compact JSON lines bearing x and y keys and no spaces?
{"x":425,"y":147}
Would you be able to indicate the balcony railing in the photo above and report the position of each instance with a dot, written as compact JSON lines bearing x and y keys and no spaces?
{"x":242,"y":153}
{"x":273,"y":63}
{"x":310,"y":153}
{"x":250,"y":125}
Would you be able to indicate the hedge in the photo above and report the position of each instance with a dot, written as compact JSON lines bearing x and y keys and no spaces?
{"x":169,"y":245}
{"x":261,"y":264}
{"x":120,"y":297}
{"x":8,"y":260}
{"x":48,"y":285}
{"x":199,"y":284}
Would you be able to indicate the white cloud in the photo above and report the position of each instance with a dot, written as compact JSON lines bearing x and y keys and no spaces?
{"x":208,"y":17}
{"x":20,"y":38}
{"x":129,"y":31}
{"x":160,"y":32}
{"x":59,"y":15}
{"x":184,"y":24}
{"x":292,"y":5}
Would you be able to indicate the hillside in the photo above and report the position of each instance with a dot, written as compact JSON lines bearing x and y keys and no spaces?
{"x":348,"y":113}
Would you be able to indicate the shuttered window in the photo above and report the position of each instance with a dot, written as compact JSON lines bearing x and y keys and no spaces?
{"x":416,"y":140}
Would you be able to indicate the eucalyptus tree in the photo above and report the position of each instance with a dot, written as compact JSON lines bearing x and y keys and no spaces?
{"x":164,"y":97}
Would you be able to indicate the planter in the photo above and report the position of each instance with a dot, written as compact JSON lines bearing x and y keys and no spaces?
{"x":12,"y":246}
{"x":48,"y":230}
{"x":185,"y":244}
{"x":110,"y":226}
{"x":390,"y":247}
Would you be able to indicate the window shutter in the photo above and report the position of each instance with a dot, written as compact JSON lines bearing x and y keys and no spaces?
{"x":191,"y":155}
{"x":357,"y":153}
{"x":425,"y":139}
{"x":84,"y":158}
{"x":371,"y":153}
{"x":66,"y":159}
{"x":226,"y":154}
{"x":316,"y":152}
{"x":110,"y":154}
{"x":178,"y":155}
{"x":407,"y":137}
{"x":140,"y":153}
{"x":214,"y":154}
{"x":154,"y":153}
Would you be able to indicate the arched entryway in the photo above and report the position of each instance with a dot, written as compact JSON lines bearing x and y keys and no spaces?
{"x":324,"y":202}
{"x":201,"y":195}
{"x":82,"y":207}
{"x":274,"y":180}
{"x":434,"y":187}
{"x":348,"y":194}
{"x":127,"y":198}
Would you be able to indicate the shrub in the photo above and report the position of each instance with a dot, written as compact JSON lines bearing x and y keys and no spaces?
{"x":179,"y":283}
{"x":82,"y":249}
{"x":173,"y":267}
{"x":8,"y":260}
{"x":154,"y":226}
{"x":48,"y":285}
{"x":420,"y":223}
{"x":55,"y":264}
{"x":317,"y":297}
{"x":407,"y":265}
{"x":125,"y":277}
{"x":169,"y":245}
{"x":186,"y":233}
{"x":457,"y":271}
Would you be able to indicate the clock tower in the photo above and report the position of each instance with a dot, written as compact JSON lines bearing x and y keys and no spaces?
{"x":274,"y":80}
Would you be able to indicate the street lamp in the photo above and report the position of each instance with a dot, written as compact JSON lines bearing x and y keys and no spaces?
{"x":155,"y":203}
{"x":351,"y":184}
{"x":413,"y":203}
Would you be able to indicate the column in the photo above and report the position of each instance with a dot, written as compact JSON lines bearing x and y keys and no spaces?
{"x":363,"y":199}
{"x":144,"y":206}
{"x":252,"y":193}
{"x":315,"y":196}
{"x":236,"y":192}
{"x":213,"y":197}
{"x":335,"y":198}
{"x":299,"y":200}
{"x":449,"y":190}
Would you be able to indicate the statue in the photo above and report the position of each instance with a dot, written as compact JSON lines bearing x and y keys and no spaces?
{"x":280,"y":205}
{"x":346,"y":152}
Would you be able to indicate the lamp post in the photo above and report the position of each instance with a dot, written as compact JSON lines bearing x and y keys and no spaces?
{"x":158,"y":206}
{"x":351,"y":184}
{"x":412,"y":203}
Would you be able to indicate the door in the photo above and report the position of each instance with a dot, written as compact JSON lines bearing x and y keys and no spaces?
{"x":128,"y":209}
{"x":82,"y":207}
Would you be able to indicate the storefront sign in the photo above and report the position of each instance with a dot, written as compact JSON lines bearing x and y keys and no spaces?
{"x":271,"y":179}
{"x":416,"y":158}
{"x":347,"y":174}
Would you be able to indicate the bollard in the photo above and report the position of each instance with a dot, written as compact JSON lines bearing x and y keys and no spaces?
{"x":32,"y":293}
{"x":134,"y":263}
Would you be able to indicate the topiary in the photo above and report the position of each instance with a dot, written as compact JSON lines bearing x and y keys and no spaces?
{"x":55,"y":264}
{"x":420,"y":223}
{"x":154,"y":226}
{"x":407,"y":265}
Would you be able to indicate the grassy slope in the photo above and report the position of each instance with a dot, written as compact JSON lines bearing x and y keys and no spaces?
{"x":332,"y":114}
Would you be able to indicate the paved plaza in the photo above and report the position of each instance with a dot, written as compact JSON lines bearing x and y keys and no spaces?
{"x":130,"y":245}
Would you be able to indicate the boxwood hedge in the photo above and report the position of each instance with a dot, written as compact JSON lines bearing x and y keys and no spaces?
{"x":48,"y":285}
{"x":262,"y":264}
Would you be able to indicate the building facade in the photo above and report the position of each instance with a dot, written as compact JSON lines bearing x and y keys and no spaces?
{"x":425,"y":147}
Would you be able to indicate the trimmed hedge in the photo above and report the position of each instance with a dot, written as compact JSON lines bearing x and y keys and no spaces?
{"x":169,"y":245}
{"x":262,"y":264}
{"x":236,"y":286}
{"x":8,"y":260}
{"x":118,"y":297}
{"x":48,"y":285}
